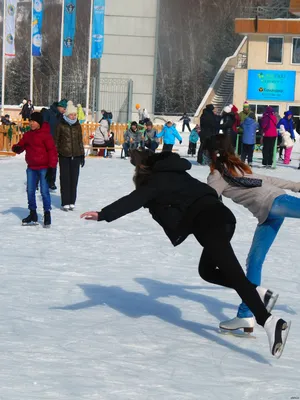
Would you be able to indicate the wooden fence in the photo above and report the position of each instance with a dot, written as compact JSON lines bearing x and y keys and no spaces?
{"x":11,"y":135}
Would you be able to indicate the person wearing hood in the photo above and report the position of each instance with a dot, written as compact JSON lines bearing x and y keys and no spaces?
{"x":193,"y":139}
{"x":169,"y":133}
{"x":54,"y":115}
{"x":41,"y":158}
{"x":287,"y":122}
{"x":249,"y":127}
{"x":268,"y":124}
{"x":209,"y":124}
{"x":151,"y":141}
{"x":287,"y":144}
{"x":69,"y":144}
{"x":182,"y":205}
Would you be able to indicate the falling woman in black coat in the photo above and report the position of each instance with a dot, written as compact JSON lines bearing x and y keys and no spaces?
{"x":182,"y":205}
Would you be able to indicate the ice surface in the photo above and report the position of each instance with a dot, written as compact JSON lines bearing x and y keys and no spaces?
{"x":112,"y":311}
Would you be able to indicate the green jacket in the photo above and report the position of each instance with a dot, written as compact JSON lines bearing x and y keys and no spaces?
{"x":68,"y":139}
{"x":243,"y":116}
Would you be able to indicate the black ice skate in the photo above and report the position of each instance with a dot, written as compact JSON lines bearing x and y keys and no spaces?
{"x":277,"y":330}
{"x":47,"y":219}
{"x":32,"y":219}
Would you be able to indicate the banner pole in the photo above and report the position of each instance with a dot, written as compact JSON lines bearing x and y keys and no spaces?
{"x":61,"y":59}
{"x":31,"y":58}
{"x":89,"y":61}
{"x":3,"y":58}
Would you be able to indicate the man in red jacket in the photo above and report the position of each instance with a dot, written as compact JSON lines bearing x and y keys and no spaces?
{"x":41,"y":157}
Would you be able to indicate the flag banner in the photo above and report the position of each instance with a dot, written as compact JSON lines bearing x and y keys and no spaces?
{"x":98,"y":29}
{"x":69,"y":27}
{"x":10,"y":28}
{"x":37,"y":23}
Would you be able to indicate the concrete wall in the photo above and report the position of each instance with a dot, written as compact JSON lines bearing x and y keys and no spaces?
{"x":130,"y":46}
{"x":257,"y":59}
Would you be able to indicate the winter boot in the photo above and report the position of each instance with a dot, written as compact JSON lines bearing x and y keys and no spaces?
{"x":267,"y":297}
{"x":47,"y":219}
{"x":238,"y":323}
{"x":277,"y":330}
{"x":31,"y":219}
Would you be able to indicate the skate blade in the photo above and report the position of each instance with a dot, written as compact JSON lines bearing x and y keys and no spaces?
{"x":272,"y":303}
{"x":280,"y":347}
{"x":30,"y":224}
{"x":237,"y":333}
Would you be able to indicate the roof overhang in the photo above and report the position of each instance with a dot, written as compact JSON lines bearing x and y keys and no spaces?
{"x":246,"y":26}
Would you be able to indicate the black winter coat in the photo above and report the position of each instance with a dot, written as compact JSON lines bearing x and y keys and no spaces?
{"x":227,"y":124}
{"x":172,"y":196}
{"x":209,"y":123}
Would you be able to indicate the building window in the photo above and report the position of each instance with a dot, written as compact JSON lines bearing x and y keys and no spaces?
{"x":262,"y":108}
{"x":275,"y":49}
{"x":296,"y":51}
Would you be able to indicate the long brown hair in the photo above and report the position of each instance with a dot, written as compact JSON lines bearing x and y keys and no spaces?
{"x":141,"y":159}
{"x":222,"y":155}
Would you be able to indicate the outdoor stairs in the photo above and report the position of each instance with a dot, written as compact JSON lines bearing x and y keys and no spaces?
{"x":224,"y":95}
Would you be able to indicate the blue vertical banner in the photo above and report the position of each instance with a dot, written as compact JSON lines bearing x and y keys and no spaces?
{"x":37,"y":23}
{"x":98,"y":29}
{"x":69,"y":26}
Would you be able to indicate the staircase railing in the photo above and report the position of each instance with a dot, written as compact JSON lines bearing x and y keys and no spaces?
{"x":228,"y":65}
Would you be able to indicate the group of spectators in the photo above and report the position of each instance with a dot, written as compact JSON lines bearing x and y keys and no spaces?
{"x":252,"y":131}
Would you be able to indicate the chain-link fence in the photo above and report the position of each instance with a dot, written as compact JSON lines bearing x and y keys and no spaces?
{"x":111,"y":94}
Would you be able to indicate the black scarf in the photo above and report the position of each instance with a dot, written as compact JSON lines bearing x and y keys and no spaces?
{"x":241,"y":181}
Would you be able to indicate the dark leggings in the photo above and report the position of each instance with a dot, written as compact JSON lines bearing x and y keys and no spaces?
{"x":219,"y":265}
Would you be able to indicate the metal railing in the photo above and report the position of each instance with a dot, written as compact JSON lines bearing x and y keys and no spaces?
{"x":269,"y":12}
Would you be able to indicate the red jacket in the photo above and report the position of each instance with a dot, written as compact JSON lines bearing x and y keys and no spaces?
{"x":40,"y":148}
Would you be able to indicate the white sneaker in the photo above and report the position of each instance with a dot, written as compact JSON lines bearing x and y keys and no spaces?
{"x":72,"y":207}
{"x":277,"y":331}
{"x":65,"y":208}
{"x":268,"y":297}
{"x":238,"y":323}
{"x":125,"y":158}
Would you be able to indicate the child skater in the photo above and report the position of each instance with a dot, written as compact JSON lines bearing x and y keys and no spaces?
{"x":169,"y":133}
{"x":265,"y":198}
{"x":193,"y":139}
{"x":287,"y":143}
{"x":41,"y":157}
{"x":182,"y":205}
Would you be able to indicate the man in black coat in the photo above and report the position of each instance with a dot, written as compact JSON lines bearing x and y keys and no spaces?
{"x":209,"y":124}
{"x":54,"y":115}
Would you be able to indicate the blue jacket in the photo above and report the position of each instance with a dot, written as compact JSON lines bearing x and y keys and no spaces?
{"x":169,"y":134}
{"x":250,"y":127}
{"x":194,"y":137}
{"x":287,"y":123}
{"x":53,"y":117}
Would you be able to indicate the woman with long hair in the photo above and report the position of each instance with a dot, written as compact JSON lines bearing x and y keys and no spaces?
{"x":182,"y":205}
{"x":265,"y":198}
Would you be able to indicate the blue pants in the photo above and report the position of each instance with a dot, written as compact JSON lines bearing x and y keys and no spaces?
{"x":32,"y":177}
{"x":264,"y":236}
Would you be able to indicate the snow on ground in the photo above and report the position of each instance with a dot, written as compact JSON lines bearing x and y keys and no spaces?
{"x":112,"y":311}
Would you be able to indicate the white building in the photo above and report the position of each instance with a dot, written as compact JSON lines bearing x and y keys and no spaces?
{"x":130,"y":48}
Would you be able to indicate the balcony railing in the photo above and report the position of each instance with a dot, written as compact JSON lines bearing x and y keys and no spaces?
{"x":269,"y":12}
{"x":242,"y":61}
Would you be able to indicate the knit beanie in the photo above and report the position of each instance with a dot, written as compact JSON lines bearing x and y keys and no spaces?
{"x":210,"y":107}
{"x":37,"y":117}
{"x":71,"y":109}
{"x":63,"y":103}
{"x":227,"y":109}
{"x":281,"y":130}
{"x":246,"y":104}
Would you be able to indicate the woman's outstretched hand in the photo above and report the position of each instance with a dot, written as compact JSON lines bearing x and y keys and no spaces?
{"x":90,"y":215}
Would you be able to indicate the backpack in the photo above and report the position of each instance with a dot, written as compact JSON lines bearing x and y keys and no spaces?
{"x":110,"y":115}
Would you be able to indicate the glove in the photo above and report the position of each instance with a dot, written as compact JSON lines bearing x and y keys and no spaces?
{"x":50,"y":176}
{"x":180,"y":141}
{"x":17,"y":149}
{"x":82,"y":161}
{"x":294,"y":140}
